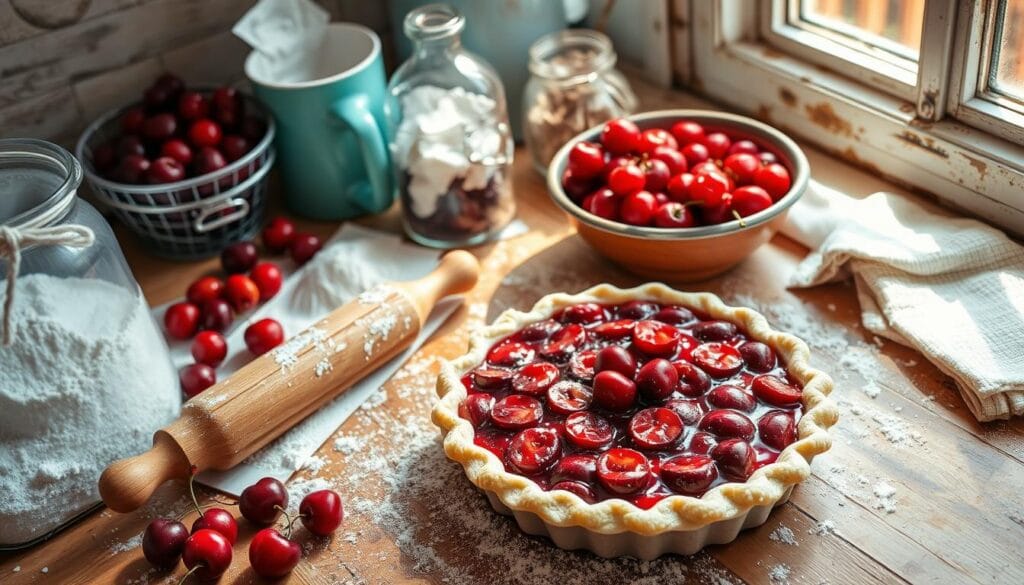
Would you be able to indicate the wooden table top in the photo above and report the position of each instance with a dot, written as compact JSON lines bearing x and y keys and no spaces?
{"x":914,"y":489}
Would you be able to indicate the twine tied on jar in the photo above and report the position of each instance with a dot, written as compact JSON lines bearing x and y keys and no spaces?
{"x":12,"y":240}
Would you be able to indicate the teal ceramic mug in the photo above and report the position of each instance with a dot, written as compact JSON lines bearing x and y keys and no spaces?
{"x":329,"y":108}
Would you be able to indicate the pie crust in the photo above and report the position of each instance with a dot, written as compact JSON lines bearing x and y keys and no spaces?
{"x":614,"y":527}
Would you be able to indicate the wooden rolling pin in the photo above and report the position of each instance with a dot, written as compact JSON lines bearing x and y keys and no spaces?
{"x":236,"y":417}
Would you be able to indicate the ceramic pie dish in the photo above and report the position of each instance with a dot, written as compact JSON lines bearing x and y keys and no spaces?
{"x":634,"y":422}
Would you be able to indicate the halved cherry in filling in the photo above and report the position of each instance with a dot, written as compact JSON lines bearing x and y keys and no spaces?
{"x":702,"y":443}
{"x":533,"y":450}
{"x":638,"y":310}
{"x":577,"y":467}
{"x":693,"y":381}
{"x":675,"y":316}
{"x":582,"y":490}
{"x":588,"y":430}
{"x":567,"y":397}
{"x":690,"y":411}
{"x":539,"y":331}
{"x":714,"y":330}
{"x":718,"y":359}
{"x":535,"y":378}
{"x":476,"y":408}
{"x":617,"y":359}
{"x":655,"y":428}
{"x":623,"y":471}
{"x":734,"y":397}
{"x":655,"y":338}
{"x":584,"y":313}
{"x":516,"y":411}
{"x":776,"y":391}
{"x":563,"y":344}
{"x":727,"y":423}
{"x":510,"y":353}
{"x":735,"y":458}
{"x":777,"y":429}
{"x":615,"y":329}
{"x":491,"y":378}
{"x":656,"y":380}
{"x":582,"y":365}
{"x":614,"y":391}
{"x":689,"y":474}
{"x":758,"y":356}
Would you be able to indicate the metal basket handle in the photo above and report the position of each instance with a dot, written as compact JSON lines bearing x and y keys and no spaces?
{"x":240,"y":205}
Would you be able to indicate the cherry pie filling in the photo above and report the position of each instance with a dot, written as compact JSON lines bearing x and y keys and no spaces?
{"x":637,"y":401}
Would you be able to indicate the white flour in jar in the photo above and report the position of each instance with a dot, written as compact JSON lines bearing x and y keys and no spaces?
{"x":86,"y":381}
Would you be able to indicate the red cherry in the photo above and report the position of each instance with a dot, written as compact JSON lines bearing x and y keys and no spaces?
{"x":582,"y":365}
{"x":586,"y":159}
{"x":679,"y":187}
{"x":743,"y":147}
{"x":583,"y":491}
{"x":304,"y":247}
{"x":535,"y":378}
{"x":516,"y":411}
{"x":131,"y":121}
{"x":533,"y":450}
{"x":690,"y":411}
{"x":511,"y":353}
{"x":615,"y":358}
{"x":241,"y":292}
{"x":156,"y":97}
{"x":655,"y":428}
{"x":210,"y":348}
{"x":164,"y":170}
{"x":727,"y":424}
{"x":132,"y":169}
{"x":626,"y":180}
{"x":587,"y":430}
{"x":777,"y":429}
{"x":567,"y":397}
{"x":715,"y":330}
{"x":638,"y":208}
{"x":708,"y":188}
{"x":613,"y":391}
{"x":620,"y":136}
{"x":208,"y":552}
{"x":758,"y":356}
{"x":728,"y":396}
{"x":178,"y":150}
{"x":717,"y":144}
{"x":208,"y":160}
{"x":617,"y":161}
{"x":674,"y":159}
{"x":170,"y":83}
{"x":217,"y":315}
{"x":239,"y":257}
{"x":129,"y":145}
{"x":234,"y":147}
{"x":604,"y":203}
{"x":476,"y":408}
{"x":773,"y":178}
{"x":638,"y":310}
{"x":623,"y":471}
{"x":615,"y":329}
{"x":776,"y":391}
{"x":581,"y":467}
{"x":494,"y":440}
{"x":227,"y":106}
{"x":204,"y":132}
{"x":656,"y":380}
{"x":321,"y":512}
{"x":674,"y":315}
{"x":268,"y":279}
{"x":767,"y":158}
{"x":263,"y":336}
{"x":750,"y":200}
{"x":720,"y":213}
{"x":272,"y":555}
{"x":695,"y":153}
{"x":686,"y":132}
{"x":655,"y":338}
{"x":702,"y":443}
{"x":741,"y":167}
{"x":576,"y":187}
{"x":104,"y":157}
{"x":159,"y":127}
{"x":693,"y":381}
{"x":163,"y":541}
{"x":278,"y":234}
{"x":565,"y":343}
{"x":718,"y":359}
{"x":654,"y":138}
{"x":539,"y":331}
{"x":262,"y":502}
{"x":735,"y":458}
{"x":181,"y":320}
{"x":218,"y":520}
{"x":584,"y":313}
{"x":656,"y":174}
{"x":674,"y":215}
{"x":491,"y":379}
{"x":192,"y":106}
{"x":689,"y":474}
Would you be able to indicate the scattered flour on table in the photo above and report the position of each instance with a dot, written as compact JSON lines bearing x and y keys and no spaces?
{"x":127,"y":545}
{"x":779,"y":574}
{"x":85,"y":382}
{"x":886,"y":497}
{"x":823,"y":528}
{"x":348,"y":445}
{"x":16,"y":569}
{"x":784,"y":534}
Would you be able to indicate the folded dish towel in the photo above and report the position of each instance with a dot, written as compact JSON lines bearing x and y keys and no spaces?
{"x":953,"y":288}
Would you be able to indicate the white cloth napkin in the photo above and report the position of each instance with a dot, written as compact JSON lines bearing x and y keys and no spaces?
{"x":950,"y":287}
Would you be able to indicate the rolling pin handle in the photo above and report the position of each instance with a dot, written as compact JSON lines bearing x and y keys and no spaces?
{"x":457,"y":272}
{"x":127,"y":484}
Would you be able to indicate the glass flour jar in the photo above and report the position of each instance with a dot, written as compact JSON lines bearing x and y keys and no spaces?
{"x":85,"y":376}
{"x":574,"y":86}
{"x":449,"y":136}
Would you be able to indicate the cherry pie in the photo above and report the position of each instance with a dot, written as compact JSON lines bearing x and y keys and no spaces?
{"x":636,"y":422}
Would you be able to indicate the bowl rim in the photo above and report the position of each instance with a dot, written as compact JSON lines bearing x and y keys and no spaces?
{"x":800,"y":168}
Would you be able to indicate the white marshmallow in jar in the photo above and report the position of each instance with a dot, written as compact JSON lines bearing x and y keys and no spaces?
{"x":451,"y":144}
{"x":85,"y":376}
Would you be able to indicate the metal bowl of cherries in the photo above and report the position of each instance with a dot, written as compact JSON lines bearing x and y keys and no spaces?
{"x":678,"y":195}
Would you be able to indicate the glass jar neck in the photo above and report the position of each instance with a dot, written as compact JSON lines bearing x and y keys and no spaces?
{"x":40,"y":182}
{"x":572,"y":56}
{"x":435,"y":28}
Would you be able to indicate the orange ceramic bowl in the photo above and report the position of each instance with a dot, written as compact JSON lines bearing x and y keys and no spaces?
{"x":686,"y":254}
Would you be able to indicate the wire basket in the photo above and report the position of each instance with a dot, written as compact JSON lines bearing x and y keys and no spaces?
{"x":190,"y":219}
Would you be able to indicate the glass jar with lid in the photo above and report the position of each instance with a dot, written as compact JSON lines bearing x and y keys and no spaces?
{"x":85,"y":375}
{"x":573,"y":86}
{"x":450,"y":140}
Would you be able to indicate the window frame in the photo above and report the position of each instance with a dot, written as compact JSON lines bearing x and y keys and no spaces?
{"x":914,"y":142}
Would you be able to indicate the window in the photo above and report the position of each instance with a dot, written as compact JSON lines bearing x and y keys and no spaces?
{"x":929,"y":93}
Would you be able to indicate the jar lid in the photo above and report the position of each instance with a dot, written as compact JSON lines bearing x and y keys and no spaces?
{"x":38,"y":181}
{"x":571,"y":55}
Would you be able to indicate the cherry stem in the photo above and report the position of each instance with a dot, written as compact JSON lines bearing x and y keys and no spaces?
{"x":192,"y":492}
{"x":737,"y":215}
{"x":289,"y":518}
{"x":189,"y":573}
